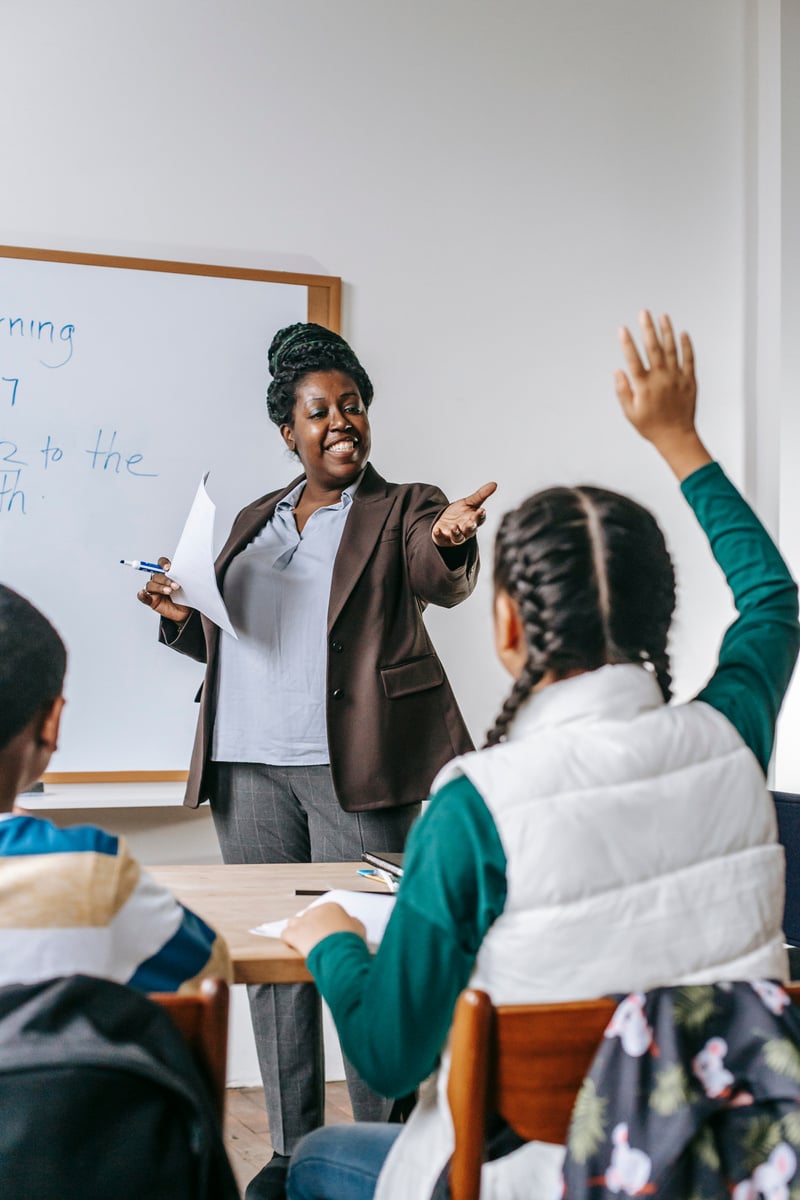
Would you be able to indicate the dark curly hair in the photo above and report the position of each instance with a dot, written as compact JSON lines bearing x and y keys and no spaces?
{"x":33,"y":661}
{"x":592,"y":577}
{"x":299,"y":349}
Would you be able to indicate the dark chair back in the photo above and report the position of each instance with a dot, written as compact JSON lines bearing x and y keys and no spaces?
{"x":787,"y":807}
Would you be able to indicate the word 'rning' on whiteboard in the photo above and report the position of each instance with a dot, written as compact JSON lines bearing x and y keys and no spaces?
{"x":40,"y":331}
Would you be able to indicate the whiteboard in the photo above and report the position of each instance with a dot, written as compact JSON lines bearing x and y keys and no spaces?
{"x":121,"y":382}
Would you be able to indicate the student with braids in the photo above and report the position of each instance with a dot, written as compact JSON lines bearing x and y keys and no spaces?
{"x":603,"y":841}
{"x":322,"y":726}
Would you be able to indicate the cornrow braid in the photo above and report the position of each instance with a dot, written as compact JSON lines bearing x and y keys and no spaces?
{"x":641,"y":583}
{"x":298,"y":350}
{"x":520,"y":585}
{"x":523,"y":686}
{"x":593,"y":581}
{"x":660,"y":663}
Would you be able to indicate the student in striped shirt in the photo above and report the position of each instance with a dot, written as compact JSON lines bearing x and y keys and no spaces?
{"x":75,"y":901}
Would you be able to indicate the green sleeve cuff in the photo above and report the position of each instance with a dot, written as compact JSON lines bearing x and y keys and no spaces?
{"x":700,"y":477}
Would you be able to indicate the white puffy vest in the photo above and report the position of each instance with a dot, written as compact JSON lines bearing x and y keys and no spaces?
{"x":641,"y":848}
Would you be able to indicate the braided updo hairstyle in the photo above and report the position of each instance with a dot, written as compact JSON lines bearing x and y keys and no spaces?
{"x":590,"y":572}
{"x":299,"y":349}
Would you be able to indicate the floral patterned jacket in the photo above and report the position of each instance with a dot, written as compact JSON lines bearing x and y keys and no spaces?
{"x":694,"y":1094}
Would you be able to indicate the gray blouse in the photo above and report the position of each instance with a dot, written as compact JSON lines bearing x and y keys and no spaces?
{"x":271,"y":682}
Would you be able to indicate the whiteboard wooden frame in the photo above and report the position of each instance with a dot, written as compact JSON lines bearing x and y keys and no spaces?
{"x":324,"y":307}
{"x":324,"y":291}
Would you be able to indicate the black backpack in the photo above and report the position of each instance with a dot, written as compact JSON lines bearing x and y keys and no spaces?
{"x":100,"y":1099}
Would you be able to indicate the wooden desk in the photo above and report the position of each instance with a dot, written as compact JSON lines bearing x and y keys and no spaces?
{"x":233,"y":899}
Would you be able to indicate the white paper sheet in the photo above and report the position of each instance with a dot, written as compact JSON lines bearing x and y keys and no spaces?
{"x":193,"y":562}
{"x":373,"y":908}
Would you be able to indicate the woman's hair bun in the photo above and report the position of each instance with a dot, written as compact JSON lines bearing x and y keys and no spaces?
{"x":299,"y":349}
{"x":294,"y":343}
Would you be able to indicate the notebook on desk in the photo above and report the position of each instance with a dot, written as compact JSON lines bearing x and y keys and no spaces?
{"x":385,"y":860}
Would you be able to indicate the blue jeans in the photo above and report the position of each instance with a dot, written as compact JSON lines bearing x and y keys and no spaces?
{"x":340,"y":1162}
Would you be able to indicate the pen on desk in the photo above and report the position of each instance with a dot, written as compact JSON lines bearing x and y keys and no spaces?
{"x":139,"y":565}
{"x":324,"y":891}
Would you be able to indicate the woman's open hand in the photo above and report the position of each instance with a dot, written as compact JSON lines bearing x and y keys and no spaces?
{"x":460,"y":520}
{"x":659,"y":396}
{"x":309,"y":927}
{"x":157,"y":593}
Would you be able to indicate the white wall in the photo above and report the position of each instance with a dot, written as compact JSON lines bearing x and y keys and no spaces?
{"x":500,"y":185}
{"x":787,"y":772}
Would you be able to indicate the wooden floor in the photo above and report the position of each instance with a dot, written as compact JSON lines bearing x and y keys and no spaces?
{"x":247,"y":1133}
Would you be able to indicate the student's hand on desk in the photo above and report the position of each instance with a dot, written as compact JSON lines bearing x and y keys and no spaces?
{"x":309,"y":927}
{"x":460,"y":520}
{"x":156,"y":594}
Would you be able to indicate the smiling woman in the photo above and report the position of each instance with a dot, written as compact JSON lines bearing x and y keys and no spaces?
{"x":330,"y":435}
{"x":324,"y":722}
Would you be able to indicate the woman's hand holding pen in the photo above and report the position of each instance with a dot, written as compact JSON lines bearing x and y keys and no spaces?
{"x":309,"y":927}
{"x":460,"y":520}
{"x":157,"y":592}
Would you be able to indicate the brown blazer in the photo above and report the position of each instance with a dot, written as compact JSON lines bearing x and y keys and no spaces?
{"x":392,"y":718}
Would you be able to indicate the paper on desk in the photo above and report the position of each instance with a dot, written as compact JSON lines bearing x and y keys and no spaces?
{"x":193,"y":562}
{"x":373,"y":908}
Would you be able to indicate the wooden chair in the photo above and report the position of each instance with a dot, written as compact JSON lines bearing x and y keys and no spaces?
{"x":202,"y":1018}
{"x":524,"y":1062}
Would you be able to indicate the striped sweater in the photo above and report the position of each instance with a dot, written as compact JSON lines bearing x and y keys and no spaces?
{"x":75,"y":901}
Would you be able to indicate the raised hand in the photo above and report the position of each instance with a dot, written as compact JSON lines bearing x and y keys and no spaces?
{"x":157,"y":592}
{"x":658,"y":395}
{"x":460,"y":520}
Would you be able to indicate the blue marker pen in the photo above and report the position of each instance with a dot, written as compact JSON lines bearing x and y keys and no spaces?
{"x":139,"y":565}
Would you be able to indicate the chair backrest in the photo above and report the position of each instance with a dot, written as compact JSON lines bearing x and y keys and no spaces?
{"x":523,"y":1062}
{"x":787,"y":808}
{"x":202,"y":1019}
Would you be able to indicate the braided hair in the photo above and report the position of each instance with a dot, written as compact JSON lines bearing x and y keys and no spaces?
{"x":300,"y":349}
{"x":32,"y":664}
{"x":594,"y":583}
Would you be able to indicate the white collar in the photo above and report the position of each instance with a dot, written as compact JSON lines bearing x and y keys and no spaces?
{"x":290,"y":500}
{"x":618,"y":691}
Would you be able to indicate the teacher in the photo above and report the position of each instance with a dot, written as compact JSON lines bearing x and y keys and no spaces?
{"x":323,"y":724}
